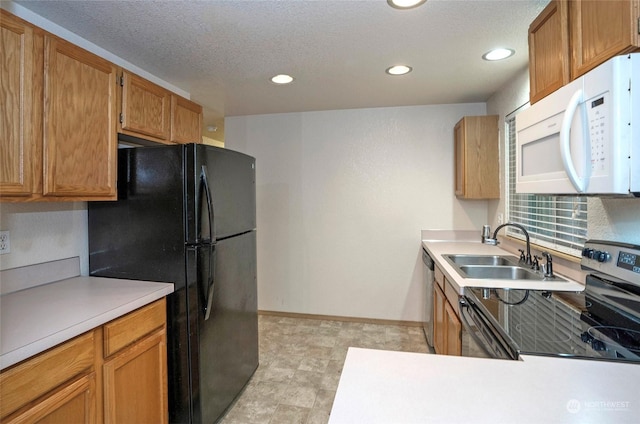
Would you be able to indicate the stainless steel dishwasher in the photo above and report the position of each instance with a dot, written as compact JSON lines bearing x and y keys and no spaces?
{"x":428,"y":278}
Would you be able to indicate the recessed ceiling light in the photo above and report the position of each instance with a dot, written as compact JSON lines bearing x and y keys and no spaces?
{"x":398,"y":70}
{"x":405,"y":4}
{"x":498,"y":54}
{"x":282,"y":79}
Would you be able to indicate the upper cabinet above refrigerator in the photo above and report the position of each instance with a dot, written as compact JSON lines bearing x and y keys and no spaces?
{"x":153,"y":113}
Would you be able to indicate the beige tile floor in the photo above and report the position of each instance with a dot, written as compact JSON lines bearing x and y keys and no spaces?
{"x":300,"y":364}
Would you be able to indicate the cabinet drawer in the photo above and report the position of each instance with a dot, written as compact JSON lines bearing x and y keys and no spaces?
{"x":73,"y":403}
{"x":126,"y":330}
{"x":34,"y":377}
{"x":439,"y":277}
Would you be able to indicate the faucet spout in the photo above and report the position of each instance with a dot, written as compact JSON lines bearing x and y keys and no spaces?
{"x":528,"y":259}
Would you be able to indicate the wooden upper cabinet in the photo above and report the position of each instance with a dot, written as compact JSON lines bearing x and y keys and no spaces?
{"x":145,"y":110}
{"x":16,"y":86}
{"x":153,"y":113}
{"x":186,"y":121}
{"x":569,"y":38}
{"x":477,"y":158}
{"x":548,"y":44}
{"x":80,"y":139}
{"x":601,"y":30}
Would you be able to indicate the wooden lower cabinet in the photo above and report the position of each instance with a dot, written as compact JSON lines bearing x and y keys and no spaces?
{"x":439,"y":328}
{"x":453,"y":331}
{"x":447,"y":328}
{"x":77,"y":382}
{"x":135,"y":383}
{"x":73,"y":403}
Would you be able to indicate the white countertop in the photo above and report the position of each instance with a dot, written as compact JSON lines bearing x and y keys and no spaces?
{"x":437,"y":249}
{"x":386,"y":387}
{"x":37,"y":318}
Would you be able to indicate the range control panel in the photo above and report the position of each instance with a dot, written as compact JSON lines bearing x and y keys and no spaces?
{"x":621,"y":260}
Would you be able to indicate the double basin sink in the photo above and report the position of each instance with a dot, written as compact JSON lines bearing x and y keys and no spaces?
{"x":495,"y":267}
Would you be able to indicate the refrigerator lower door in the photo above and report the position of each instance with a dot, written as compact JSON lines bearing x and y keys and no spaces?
{"x":227,"y":328}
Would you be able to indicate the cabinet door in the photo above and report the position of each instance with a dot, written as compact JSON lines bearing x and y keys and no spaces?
{"x":477,"y":174}
{"x":135,"y":383}
{"x":439,"y":328}
{"x":73,"y":403}
{"x":16,"y":76}
{"x":548,"y":48}
{"x":459,"y":154}
{"x":80,"y":140}
{"x":601,"y":30}
{"x":146,"y":109}
{"x":186,"y":121}
{"x":453,"y":326}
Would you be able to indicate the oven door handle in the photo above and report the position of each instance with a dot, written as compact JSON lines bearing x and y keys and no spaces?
{"x":464,"y":304}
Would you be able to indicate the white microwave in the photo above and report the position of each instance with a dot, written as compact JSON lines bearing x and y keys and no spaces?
{"x":585,"y":137}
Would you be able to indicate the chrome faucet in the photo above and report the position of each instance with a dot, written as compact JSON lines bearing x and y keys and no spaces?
{"x":494,"y":241}
{"x":548,"y":267}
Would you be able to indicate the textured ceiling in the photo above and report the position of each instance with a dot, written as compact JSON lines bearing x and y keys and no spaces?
{"x":224,"y":52}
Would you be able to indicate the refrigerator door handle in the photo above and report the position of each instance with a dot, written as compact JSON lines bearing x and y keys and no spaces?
{"x":210,"y":282}
{"x":204,"y":185}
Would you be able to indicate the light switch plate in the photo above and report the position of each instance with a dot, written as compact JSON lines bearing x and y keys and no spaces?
{"x":5,"y":242}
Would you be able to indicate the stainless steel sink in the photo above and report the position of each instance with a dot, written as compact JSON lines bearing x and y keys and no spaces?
{"x":499,"y":272}
{"x":494,"y":267}
{"x":482,"y":260}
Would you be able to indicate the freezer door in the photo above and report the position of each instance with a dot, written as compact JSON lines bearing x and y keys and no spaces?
{"x":227,"y":326}
{"x":230,"y":178}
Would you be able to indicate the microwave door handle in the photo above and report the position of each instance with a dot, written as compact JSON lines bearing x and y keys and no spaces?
{"x":565,"y":142}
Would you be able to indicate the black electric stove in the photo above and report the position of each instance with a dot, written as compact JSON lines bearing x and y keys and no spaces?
{"x":602,"y":322}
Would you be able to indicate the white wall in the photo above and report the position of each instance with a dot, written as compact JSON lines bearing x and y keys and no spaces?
{"x":342,"y":198}
{"x":42,"y":232}
{"x":608,"y":218}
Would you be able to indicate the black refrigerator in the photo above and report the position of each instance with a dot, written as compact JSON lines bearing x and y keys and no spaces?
{"x":186,"y":214}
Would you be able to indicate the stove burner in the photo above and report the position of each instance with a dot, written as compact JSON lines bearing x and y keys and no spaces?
{"x":603,"y":337}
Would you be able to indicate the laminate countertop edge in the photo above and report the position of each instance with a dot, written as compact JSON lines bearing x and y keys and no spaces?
{"x":381,"y":387}
{"x":38,"y":318}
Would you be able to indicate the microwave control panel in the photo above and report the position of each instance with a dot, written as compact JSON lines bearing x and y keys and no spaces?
{"x":598,"y":117}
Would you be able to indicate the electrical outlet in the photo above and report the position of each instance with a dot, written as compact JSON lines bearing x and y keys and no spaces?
{"x":5,"y":242}
{"x":500,"y":218}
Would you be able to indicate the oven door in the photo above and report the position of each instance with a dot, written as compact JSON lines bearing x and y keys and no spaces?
{"x":478,"y":338}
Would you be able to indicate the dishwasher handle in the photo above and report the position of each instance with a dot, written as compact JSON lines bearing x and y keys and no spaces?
{"x":427,"y":260}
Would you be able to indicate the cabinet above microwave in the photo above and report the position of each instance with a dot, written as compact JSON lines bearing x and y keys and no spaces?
{"x":584,"y":138}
